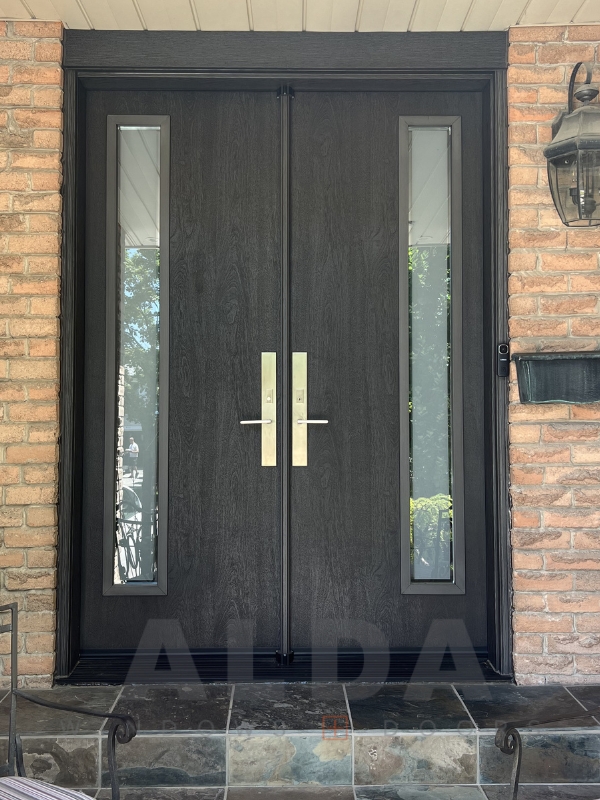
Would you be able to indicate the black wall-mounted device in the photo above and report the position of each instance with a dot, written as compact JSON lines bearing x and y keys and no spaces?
{"x":503,"y":361}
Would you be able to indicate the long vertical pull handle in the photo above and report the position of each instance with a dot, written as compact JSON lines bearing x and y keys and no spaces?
{"x":300,"y":410}
{"x":268,"y":407}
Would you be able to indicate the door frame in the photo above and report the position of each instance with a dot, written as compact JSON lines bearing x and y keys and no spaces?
{"x":466,"y":61}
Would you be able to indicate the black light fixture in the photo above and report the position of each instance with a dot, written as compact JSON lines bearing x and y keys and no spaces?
{"x":574,"y":157}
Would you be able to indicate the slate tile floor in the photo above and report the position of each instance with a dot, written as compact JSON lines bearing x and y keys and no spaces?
{"x":315,"y":741}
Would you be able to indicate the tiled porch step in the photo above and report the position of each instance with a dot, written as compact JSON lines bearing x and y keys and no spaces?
{"x":195,"y":737}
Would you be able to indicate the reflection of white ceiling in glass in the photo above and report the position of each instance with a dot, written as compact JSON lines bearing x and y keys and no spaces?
{"x":310,"y":15}
{"x":139,"y":186}
{"x":429,"y":211}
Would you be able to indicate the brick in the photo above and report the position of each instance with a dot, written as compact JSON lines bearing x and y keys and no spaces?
{"x":522,"y":94}
{"x":39,"y":642}
{"x":34,"y":243}
{"x":522,"y":134}
{"x":585,"y":454}
{"x":528,"y":643}
{"x":48,"y":51}
{"x":41,"y":517}
{"x":541,"y":496}
{"x":574,"y":643}
{"x":11,"y":558}
{"x":526,"y":475}
{"x":524,"y":217}
{"x":542,"y":623}
{"x":40,"y":474}
{"x":14,"y":181}
{"x":529,"y":601}
{"x":35,"y":665}
{"x":587,"y":622}
{"x":24,"y":537}
{"x":586,"y":412}
{"x":537,"y":238}
{"x":569,"y":304}
{"x":543,"y":581}
{"x":46,"y":182}
{"x":586,"y":327}
{"x":525,"y":433}
{"x":573,"y":476}
{"x":35,"y":286}
{"x":33,"y":412}
{"x":37,"y":118}
{"x":43,"y":348}
{"x":533,"y":75}
{"x":15,"y":51}
{"x":32,"y":369}
{"x":586,"y":496}
{"x":39,"y":601}
{"x":37,"y":622}
{"x":24,"y":495}
{"x":523,"y":176}
{"x":572,"y":518}
{"x":33,"y":327}
{"x":521,"y":560}
{"x":541,"y":455}
{"x":38,"y":30}
{"x":583,"y":33}
{"x":545,"y":664}
{"x":532,"y":327}
{"x":574,"y":560}
{"x":528,"y":284}
{"x":43,"y":391}
{"x":47,"y":432}
{"x":526,"y":519}
{"x":588,"y":664}
{"x":43,"y":265}
{"x":587,"y":540}
{"x":521,"y":261}
{"x":565,"y":53}
{"x":37,"y":75}
{"x":29,"y":579}
{"x":9,"y":475}
{"x":531,"y":113}
{"x":574,"y":602}
{"x":37,"y":202}
{"x":11,"y":265}
{"x":11,"y":433}
{"x":48,"y":98}
{"x":520,"y":196}
{"x":523,"y":305}
{"x":570,"y":432}
{"x":584,"y":238}
{"x":553,"y":94}
{"x":560,"y":262}
{"x":585,"y":283}
{"x":24,"y":159}
{"x":541,"y":539}
{"x":536,"y":33}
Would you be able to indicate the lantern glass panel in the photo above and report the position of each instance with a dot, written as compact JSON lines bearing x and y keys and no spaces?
{"x":589,"y":186}
{"x":575,"y":185}
{"x":562,"y":173}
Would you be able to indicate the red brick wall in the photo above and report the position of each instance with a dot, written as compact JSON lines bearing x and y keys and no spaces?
{"x":30,"y":178}
{"x":554,"y":287}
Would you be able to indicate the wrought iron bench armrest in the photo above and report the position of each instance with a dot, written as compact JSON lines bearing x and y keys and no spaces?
{"x":122,"y":729}
{"x":508,"y":740}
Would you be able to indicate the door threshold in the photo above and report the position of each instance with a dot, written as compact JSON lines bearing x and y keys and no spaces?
{"x":115,"y":667}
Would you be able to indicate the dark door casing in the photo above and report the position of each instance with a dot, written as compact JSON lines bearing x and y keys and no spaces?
{"x":225,"y":254}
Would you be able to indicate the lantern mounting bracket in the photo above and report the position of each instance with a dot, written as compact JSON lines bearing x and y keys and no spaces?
{"x":587,"y":92}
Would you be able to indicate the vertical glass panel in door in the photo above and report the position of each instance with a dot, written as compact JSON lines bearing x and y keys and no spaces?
{"x":137,"y":322}
{"x":430,"y":266}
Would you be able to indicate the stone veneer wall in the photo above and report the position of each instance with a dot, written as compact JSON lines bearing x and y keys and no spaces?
{"x":554,"y":288}
{"x":30,"y":204}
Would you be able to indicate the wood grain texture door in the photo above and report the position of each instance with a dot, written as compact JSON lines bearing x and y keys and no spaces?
{"x":345,"y":298}
{"x":224,"y":508}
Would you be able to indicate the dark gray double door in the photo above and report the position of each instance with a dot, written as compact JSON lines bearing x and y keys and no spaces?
{"x":338,"y":297}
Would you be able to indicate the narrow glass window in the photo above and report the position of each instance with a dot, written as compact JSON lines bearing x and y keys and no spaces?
{"x":136,"y":272}
{"x":430,"y":353}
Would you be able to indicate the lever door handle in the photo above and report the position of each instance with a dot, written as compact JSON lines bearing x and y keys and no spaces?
{"x":313,"y":422}
{"x":268,"y":410}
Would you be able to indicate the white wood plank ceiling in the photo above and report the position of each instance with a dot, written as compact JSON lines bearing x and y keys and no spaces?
{"x":304,"y":15}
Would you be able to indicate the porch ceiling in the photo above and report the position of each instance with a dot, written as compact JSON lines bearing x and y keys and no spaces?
{"x":310,"y":15}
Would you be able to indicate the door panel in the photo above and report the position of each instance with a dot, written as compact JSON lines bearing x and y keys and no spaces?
{"x":346,"y":515}
{"x":223,"y":514}
{"x":224,"y":510}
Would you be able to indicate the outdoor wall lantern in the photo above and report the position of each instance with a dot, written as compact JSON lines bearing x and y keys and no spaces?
{"x":574,"y":157}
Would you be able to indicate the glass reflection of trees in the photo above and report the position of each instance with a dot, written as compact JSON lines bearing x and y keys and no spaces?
{"x":431,"y":471}
{"x":137,"y":502}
